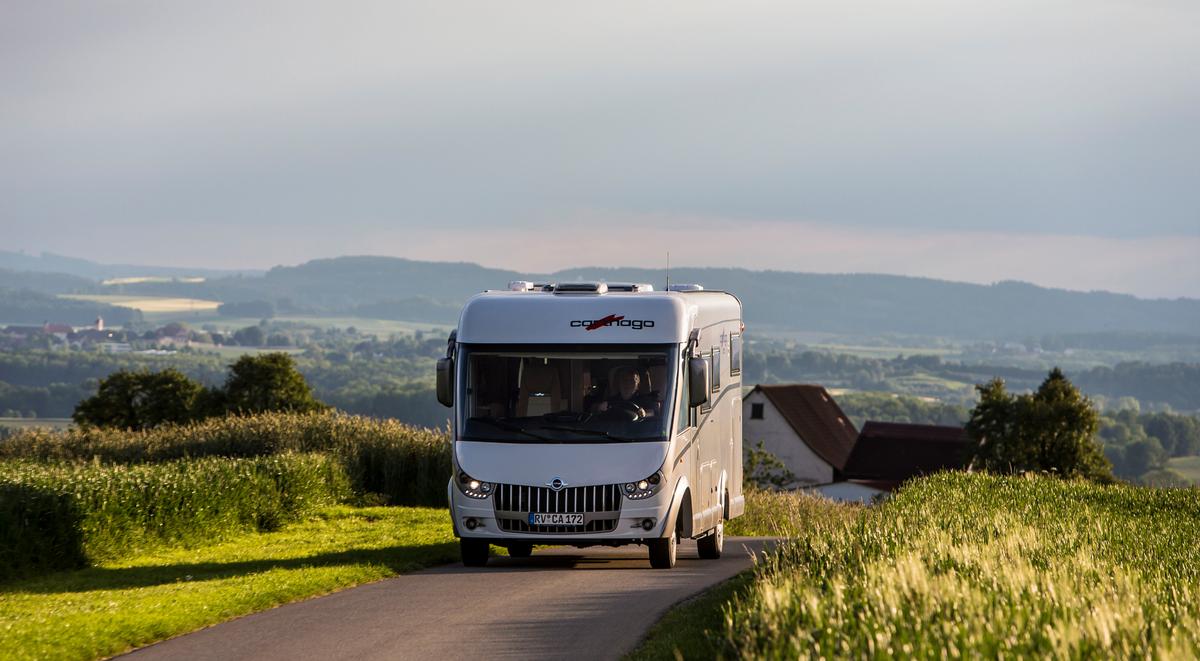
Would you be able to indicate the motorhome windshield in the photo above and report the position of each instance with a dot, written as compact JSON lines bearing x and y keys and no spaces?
{"x":589,"y":395}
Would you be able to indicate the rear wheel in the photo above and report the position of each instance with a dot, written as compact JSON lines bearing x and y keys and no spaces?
{"x":664,"y":551}
{"x":474,"y":552}
{"x":711,"y":546}
{"x":520,"y":550}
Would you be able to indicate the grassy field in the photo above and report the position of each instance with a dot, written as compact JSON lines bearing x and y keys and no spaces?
{"x":964,"y":565}
{"x":884,"y":352}
{"x":233,"y":353}
{"x":151,"y":304}
{"x":113,"y":607}
{"x":1186,"y":467}
{"x":958,"y":566}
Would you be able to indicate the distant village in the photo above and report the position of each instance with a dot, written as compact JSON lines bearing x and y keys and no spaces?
{"x":96,"y":337}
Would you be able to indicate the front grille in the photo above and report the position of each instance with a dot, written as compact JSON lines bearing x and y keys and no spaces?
{"x":600,"y":505}
{"x":595,"y":525}
{"x":568,"y":500}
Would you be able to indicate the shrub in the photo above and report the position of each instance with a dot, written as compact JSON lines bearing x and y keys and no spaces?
{"x":57,"y":516}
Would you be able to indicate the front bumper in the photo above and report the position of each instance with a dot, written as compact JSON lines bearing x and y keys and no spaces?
{"x":630,"y":526}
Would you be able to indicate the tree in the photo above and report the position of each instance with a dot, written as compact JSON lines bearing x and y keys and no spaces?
{"x":1144,"y":456}
{"x":250,"y":336}
{"x":140,"y":400}
{"x":268,"y":382}
{"x":763,"y":470}
{"x":1052,"y":429}
{"x":278,"y":340}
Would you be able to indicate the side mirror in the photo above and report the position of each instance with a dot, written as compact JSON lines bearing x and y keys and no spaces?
{"x":697,"y":382}
{"x":445,"y":381}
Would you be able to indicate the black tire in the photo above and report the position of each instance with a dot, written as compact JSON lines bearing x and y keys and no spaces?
{"x":712,"y":545}
{"x":474,"y":552}
{"x":663,"y":552}
{"x":520,"y":550}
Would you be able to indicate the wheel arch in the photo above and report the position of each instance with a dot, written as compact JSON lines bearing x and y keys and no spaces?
{"x":681,"y":505}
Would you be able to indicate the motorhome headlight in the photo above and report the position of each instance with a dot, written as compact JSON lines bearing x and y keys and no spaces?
{"x":473,"y":488}
{"x":644,"y":488}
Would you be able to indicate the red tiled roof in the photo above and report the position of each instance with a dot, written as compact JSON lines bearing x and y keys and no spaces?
{"x":816,"y":418}
{"x":898,"y":451}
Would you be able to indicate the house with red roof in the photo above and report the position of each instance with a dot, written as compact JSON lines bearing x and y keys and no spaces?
{"x":803,"y":426}
{"x":889,"y":453}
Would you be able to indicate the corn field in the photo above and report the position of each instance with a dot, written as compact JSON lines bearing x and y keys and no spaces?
{"x":69,"y":499}
{"x":59,"y":516}
{"x":400,"y":464}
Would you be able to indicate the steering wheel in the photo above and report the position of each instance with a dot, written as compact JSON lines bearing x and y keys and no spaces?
{"x":627,"y":410}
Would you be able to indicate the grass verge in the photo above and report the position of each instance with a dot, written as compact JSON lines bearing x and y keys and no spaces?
{"x":116,"y":606}
{"x":696,"y":628}
{"x":693,"y":629}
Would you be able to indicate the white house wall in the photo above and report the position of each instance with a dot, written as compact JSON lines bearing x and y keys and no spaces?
{"x":781,"y":440}
{"x":849,"y":492}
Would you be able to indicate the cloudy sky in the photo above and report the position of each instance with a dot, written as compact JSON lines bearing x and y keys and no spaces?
{"x":1051,"y":141}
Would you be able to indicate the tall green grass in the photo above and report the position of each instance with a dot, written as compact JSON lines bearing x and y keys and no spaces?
{"x":405,"y":465}
{"x":788,"y":514}
{"x":961,"y":565}
{"x":57,"y":516}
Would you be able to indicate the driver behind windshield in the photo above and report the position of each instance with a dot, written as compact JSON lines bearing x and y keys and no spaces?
{"x":626,"y":396}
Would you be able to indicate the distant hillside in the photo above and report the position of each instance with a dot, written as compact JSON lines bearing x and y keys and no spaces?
{"x":850,"y":304}
{"x":47,"y":283}
{"x":51,"y":263}
{"x":28,"y":307}
{"x":867,"y":303}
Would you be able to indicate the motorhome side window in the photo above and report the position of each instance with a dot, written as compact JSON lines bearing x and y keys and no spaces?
{"x":686,"y":413}
{"x":556,"y":395}
{"x":735,"y":354}
{"x":707,"y":406}
{"x":716,"y":370}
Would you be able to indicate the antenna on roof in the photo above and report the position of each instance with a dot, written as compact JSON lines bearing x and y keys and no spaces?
{"x":668,"y":287}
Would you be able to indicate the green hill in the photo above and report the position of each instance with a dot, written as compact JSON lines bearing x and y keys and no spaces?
{"x":848,"y":304}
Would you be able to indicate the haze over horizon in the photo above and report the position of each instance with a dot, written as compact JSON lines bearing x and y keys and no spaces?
{"x":1046,"y":142}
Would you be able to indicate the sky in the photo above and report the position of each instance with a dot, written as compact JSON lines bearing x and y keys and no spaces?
{"x":1051,"y":141}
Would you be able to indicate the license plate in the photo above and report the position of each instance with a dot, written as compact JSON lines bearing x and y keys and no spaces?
{"x":536,"y":519}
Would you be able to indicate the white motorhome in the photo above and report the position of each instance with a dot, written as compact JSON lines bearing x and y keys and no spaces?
{"x":595,"y":414}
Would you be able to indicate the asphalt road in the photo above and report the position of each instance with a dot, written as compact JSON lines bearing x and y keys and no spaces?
{"x":592,"y":603}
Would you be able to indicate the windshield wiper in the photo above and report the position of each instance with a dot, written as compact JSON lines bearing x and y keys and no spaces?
{"x":592,"y":432}
{"x":516,"y":429}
